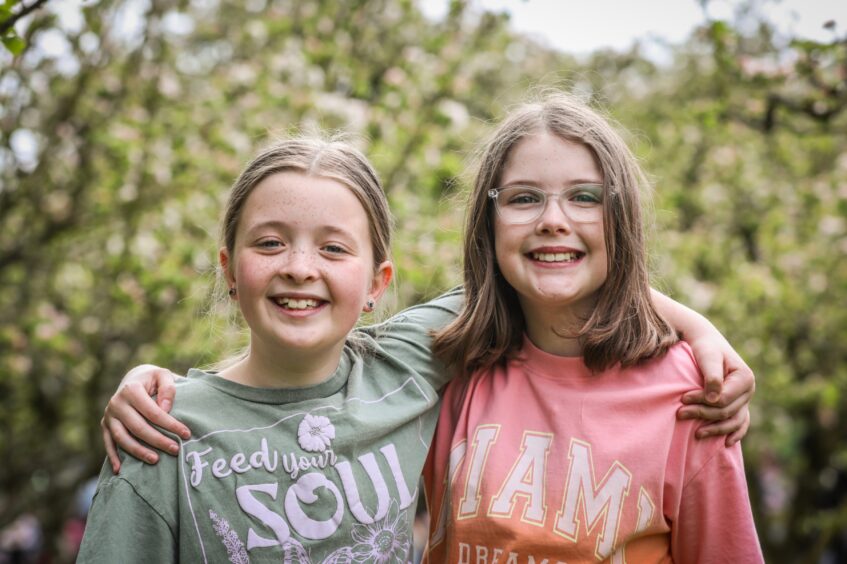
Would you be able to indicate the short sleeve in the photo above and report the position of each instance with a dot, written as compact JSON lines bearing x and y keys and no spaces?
{"x":123,"y":527}
{"x":715,"y":522}
{"x":407,"y":336}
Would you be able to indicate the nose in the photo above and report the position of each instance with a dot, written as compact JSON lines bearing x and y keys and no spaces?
{"x":298,"y":266}
{"x":553,"y":219}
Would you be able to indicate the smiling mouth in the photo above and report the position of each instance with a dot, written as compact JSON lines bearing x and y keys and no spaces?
{"x":556,"y":257}
{"x":298,"y":304}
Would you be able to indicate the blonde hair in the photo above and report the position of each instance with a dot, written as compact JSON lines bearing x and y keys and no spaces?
{"x":624,"y":326}
{"x":313,"y":156}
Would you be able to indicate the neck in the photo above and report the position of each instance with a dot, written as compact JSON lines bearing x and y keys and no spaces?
{"x":555,"y":331}
{"x":278,"y":370}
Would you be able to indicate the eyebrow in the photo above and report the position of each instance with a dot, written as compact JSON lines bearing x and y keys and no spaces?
{"x":281,"y":225}
{"x":534,"y":184}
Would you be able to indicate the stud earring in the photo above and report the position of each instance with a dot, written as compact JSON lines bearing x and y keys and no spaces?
{"x":232,"y":292}
{"x":369,"y":306}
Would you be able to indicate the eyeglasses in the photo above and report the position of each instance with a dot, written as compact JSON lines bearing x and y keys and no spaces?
{"x":582,"y":203}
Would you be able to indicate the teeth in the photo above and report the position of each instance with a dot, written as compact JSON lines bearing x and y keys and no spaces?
{"x":292,"y":303}
{"x":555,"y":257}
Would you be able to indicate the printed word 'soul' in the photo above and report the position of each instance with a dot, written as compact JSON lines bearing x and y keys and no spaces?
{"x":286,"y":507}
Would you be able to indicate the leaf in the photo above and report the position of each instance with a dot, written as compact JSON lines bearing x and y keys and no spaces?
{"x":14,"y":44}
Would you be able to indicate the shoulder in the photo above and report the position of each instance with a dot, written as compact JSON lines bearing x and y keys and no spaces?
{"x":204,"y":401}
{"x":152,"y":486}
{"x":197,"y":391}
{"x":677,"y":364}
{"x":137,"y":473}
{"x":483,"y":387}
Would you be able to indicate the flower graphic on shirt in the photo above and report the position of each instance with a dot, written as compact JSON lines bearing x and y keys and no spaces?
{"x":384,"y":541}
{"x":294,"y":553}
{"x":341,"y":556}
{"x":234,"y":547}
{"x":315,"y":433}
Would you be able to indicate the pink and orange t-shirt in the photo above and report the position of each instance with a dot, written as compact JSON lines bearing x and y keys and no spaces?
{"x":542,"y":461}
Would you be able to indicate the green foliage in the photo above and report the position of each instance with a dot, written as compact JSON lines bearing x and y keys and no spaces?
{"x":13,"y":43}
{"x":115,"y":158}
{"x":10,"y":12}
{"x":749,"y":145}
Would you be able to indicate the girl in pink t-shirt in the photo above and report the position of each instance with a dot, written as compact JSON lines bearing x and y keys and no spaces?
{"x":562,"y":445}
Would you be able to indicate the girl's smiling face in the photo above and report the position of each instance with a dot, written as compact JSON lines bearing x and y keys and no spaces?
{"x":555,"y":264}
{"x":303,"y":265}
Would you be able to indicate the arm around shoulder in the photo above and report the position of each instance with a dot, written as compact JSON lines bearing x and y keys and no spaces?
{"x":435,"y":313}
{"x":407,"y":336}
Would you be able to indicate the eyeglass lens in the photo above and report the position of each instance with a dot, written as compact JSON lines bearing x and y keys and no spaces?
{"x":523,"y":204}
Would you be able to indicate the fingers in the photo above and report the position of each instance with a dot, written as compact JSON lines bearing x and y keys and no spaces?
{"x":739,"y":384}
{"x":729,"y":403}
{"x":166,"y":392}
{"x":725,"y":408}
{"x":144,"y":373}
{"x":740,"y":433}
{"x":734,"y":428}
{"x":740,"y":380}
{"x":152,"y":412}
{"x":134,"y":422}
{"x":696,"y":397}
{"x":728,"y":386}
{"x":126,"y":441}
{"x":111,"y":449}
{"x":135,"y":397}
{"x":739,"y":377}
{"x":711,"y":363}
{"x":712,"y":386}
{"x":131,"y":413}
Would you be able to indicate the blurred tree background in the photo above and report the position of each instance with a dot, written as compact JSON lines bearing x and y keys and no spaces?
{"x":123,"y":122}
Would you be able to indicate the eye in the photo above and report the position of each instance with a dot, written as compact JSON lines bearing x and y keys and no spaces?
{"x":334,"y":249}
{"x":521,"y":196}
{"x":586,"y":194}
{"x":269,"y":244}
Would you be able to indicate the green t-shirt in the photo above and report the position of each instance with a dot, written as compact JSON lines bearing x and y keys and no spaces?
{"x":326,"y":473}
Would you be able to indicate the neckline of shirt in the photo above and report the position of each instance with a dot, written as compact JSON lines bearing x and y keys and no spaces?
{"x":550,"y":365}
{"x":328,"y":387}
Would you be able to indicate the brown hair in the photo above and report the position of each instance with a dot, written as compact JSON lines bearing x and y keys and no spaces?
{"x":624,"y":326}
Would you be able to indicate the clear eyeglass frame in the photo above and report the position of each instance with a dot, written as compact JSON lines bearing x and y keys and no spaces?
{"x":581,"y":203}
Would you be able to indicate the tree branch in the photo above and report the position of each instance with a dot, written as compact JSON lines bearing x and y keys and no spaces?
{"x":13,"y":19}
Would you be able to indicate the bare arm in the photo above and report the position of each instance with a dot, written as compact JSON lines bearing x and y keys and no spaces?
{"x":729,"y":382}
{"x":130,"y":412}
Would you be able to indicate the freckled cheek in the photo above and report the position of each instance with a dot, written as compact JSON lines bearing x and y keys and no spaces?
{"x":254,"y":273}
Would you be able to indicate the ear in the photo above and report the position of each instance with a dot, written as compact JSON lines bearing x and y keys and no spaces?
{"x":226,"y":264}
{"x":382,"y":278}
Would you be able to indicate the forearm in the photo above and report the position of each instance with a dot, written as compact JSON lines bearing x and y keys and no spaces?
{"x":685,"y":321}
{"x":433,"y":314}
